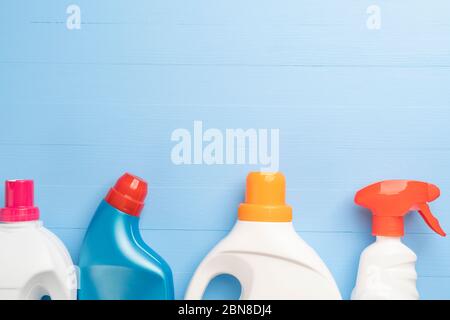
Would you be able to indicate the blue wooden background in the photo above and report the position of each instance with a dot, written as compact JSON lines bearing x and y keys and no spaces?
{"x":353,"y":105}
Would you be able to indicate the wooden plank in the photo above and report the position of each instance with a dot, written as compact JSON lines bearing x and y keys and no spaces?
{"x":251,"y":33}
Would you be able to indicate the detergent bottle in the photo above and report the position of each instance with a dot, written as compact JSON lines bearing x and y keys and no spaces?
{"x":34,"y":264}
{"x":115,"y":262}
{"x":387,"y":267}
{"x":264,"y":252}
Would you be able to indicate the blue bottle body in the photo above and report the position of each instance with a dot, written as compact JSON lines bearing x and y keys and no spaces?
{"x":116,"y":264}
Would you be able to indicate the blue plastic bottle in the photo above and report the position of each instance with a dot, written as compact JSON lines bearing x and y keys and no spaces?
{"x":115,"y":263}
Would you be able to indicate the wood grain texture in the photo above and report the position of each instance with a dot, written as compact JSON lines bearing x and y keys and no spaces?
{"x":80,"y":107}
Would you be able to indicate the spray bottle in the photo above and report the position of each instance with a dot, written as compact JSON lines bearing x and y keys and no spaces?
{"x":387,"y":267}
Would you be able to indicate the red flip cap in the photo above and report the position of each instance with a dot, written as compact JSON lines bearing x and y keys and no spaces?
{"x":391,"y":200}
{"x":19,"y":202}
{"x":128,"y":194}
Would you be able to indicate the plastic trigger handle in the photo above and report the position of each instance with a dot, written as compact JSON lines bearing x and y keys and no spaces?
{"x":391,"y":200}
{"x":430,"y":219}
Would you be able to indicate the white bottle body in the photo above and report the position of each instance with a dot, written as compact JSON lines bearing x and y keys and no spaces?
{"x":34,"y":263}
{"x":386,"y":272}
{"x":270,"y":261}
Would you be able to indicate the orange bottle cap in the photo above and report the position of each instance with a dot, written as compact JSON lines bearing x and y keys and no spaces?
{"x":391,"y":200}
{"x":265,"y":198}
{"x":128,"y":194}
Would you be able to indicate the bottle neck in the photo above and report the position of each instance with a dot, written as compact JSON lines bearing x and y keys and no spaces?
{"x":283,"y":227}
{"x":21,"y":224}
{"x":110,"y":214}
{"x":388,"y":226}
{"x":113,"y":224}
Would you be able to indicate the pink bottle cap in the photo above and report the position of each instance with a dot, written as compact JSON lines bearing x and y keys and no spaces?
{"x":19,"y":202}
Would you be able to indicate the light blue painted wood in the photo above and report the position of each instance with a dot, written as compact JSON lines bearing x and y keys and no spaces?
{"x":353,"y":106}
{"x":250,"y":33}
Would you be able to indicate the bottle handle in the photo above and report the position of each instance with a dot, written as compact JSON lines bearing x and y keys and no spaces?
{"x":212,"y":267}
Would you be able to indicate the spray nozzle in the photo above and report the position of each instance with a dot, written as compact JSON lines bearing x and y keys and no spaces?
{"x":391,"y":200}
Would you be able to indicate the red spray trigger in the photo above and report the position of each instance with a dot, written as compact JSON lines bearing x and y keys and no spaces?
{"x":391,"y":200}
{"x":431,"y":220}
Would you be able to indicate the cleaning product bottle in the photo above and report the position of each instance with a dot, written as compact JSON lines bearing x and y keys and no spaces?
{"x":115,"y":263}
{"x":387,"y":267}
{"x":264,"y":252}
{"x":34,"y":263}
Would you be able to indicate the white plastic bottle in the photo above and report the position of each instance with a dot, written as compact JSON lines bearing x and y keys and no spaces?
{"x":387,"y":267}
{"x":264,"y":252}
{"x":33,"y":262}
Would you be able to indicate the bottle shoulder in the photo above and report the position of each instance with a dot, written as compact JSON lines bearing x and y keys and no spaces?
{"x":387,"y":255}
{"x":265,"y":237}
{"x":33,"y":237}
{"x":34,"y":248}
{"x":277,"y":241}
{"x":388,"y":248}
